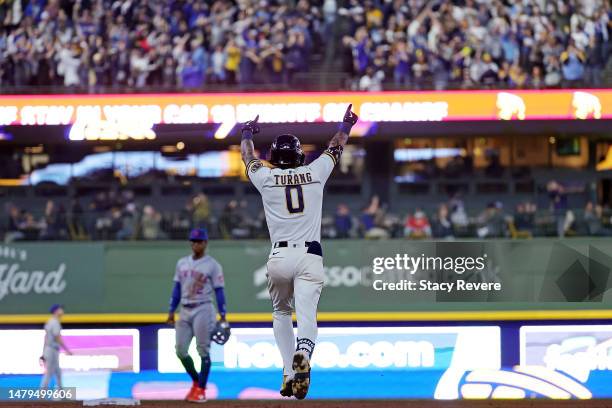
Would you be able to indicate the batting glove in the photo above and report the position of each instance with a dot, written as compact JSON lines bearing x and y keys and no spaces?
{"x":350,"y":118}
{"x":250,"y":128}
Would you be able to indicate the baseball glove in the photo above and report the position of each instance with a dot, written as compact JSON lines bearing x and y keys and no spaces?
{"x":221,"y":332}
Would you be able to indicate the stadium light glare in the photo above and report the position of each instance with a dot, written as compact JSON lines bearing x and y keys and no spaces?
{"x":224,"y":130}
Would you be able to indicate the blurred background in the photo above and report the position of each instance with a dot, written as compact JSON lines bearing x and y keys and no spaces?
{"x":459,"y":180}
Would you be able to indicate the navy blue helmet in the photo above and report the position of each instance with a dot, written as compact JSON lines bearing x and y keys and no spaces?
{"x":286,"y":152}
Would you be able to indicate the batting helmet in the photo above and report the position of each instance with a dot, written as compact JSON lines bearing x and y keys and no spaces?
{"x":221,"y":332}
{"x":286,"y":152}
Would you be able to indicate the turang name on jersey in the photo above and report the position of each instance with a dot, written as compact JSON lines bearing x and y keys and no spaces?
{"x":292,"y":179}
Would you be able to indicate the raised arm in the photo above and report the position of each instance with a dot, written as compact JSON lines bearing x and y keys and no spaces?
{"x":247,"y":148}
{"x":342,"y":135}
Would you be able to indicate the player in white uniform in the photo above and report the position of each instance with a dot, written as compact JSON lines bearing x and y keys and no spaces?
{"x":292,"y":195}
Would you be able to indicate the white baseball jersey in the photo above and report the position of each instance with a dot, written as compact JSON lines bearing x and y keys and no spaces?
{"x":198,"y":278}
{"x":293,"y":198}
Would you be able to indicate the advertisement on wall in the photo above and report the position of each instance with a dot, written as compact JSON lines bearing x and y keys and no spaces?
{"x":437,"y":277}
{"x":396,"y":362}
{"x":340,"y":348}
{"x":115,"y":116}
{"x":115,"y":350}
{"x":32,"y":277}
{"x":452,"y":362}
{"x":580,"y":352}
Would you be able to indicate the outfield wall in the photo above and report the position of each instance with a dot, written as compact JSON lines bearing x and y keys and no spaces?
{"x":110,"y":282}
{"x":422,"y":361}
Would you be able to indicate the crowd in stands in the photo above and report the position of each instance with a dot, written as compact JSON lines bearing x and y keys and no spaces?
{"x":391,"y":43}
{"x":160,"y":43}
{"x":477,"y":43}
{"x":450,"y":220}
{"x":111,"y":216}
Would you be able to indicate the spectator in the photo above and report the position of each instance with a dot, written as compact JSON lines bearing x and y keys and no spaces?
{"x":231,"y":222}
{"x":492,"y":222}
{"x":191,"y":75}
{"x":442,"y":226}
{"x":458,"y":215}
{"x":128,"y":224}
{"x":29,"y":227}
{"x":343,"y":221}
{"x":558,"y":205}
{"x":14,"y":225}
{"x":219,"y":59}
{"x":524,"y":217}
{"x":133,"y":43}
{"x":593,"y":219}
{"x":372,"y":216}
{"x":232,"y":62}
{"x":420,"y":70}
{"x":595,"y":61}
{"x":371,"y":81}
{"x":150,"y":223}
{"x":417,"y":225}
{"x":471,"y":38}
{"x":572,"y":66}
{"x":201,"y":211}
{"x":77,"y":220}
{"x":401,"y":61}
{"x":69,"y":65}
{"x":52,"y":227}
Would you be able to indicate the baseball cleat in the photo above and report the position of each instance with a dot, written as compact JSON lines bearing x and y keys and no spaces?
{"x":198,"y":396}
{"x":286,"y":387}
{"x":192,"y":390}
{"x":301,"y":379}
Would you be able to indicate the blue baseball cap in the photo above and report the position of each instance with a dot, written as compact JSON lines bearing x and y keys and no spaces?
{"x":198,"y":234}
{"x":54,"y":307}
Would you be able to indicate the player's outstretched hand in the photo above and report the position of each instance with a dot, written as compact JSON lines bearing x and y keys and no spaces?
{"x":251,"y":126}
{"x":350,"y":116}
{"x":170,"y":319}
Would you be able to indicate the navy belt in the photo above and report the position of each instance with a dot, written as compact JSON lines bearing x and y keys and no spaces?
{"x":314,"y":247}
{"x":192,"y":305}
{"x":285,"y":244}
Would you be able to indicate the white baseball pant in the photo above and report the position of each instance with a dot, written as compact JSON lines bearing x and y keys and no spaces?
{"x":294,"y":276}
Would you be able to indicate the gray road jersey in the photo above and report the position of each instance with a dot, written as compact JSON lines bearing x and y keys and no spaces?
{"x":198,"y":278}
{"x":53,"y":327}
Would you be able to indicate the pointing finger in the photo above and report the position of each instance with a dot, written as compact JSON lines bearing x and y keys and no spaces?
{"x":349,"y":108}
{"x":256,"y":119}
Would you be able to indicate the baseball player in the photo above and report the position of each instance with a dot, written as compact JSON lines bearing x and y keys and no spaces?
{"x":51,"y":350}
{"x":196,"y":277}
{"x":292,"y":195}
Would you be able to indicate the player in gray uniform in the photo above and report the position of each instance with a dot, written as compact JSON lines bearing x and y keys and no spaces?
{"x":197,"y":278}
{"x":51,"y":350}
{"x":292,"y":195}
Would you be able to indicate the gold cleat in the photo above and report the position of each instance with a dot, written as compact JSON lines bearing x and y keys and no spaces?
{"x":286,"y":387}
{"x":301,"y":379}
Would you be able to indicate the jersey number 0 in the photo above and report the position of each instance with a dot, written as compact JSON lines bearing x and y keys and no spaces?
{"x":291,"y":197}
